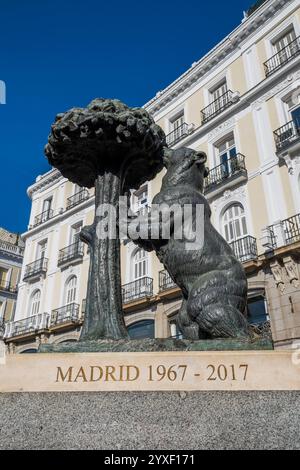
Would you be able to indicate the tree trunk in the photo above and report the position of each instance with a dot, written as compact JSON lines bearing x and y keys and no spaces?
{"x":104,"y":315}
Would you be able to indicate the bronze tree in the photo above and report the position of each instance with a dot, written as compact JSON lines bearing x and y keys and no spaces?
{"x":113,"y":148}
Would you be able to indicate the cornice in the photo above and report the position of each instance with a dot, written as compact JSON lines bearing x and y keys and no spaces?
{"x":216,"y":55}
{"x":44,"y":181}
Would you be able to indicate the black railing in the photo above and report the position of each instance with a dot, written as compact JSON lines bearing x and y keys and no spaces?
{"x":8,"y":287}
{"x":71,"y":252}
{"x":165,"y":281}
{"x":287,"y":134}
{"x":36,"y":268}
{"x":291,"y":227}
{"x":177,"y":134}
{"x":68,"y":313}
{"x":77,"y":198}
{"x":137,"y":289}
{"x":217,"y":106}
{"x":229,"y":169}
{"x":43,"y":217}
{"x":285,"y":55}
{"x":245,"y":248}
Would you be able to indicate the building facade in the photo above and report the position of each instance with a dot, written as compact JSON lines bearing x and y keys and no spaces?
{"x":11,"y":258}
{"x":239,"y":104}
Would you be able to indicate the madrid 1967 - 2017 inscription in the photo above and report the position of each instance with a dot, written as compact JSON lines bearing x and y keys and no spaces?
{"x":158,"y":373}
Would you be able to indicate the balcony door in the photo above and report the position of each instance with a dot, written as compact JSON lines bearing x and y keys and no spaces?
{"x":286,"y":46}
{"x":41,"y":250}
{"x":34,"y":307}
{"x":177,"y":128}
{"x":234,"y":223}
{"x":47,"y":207}
{"x":71,"y":290}
{"x":226,"y":157}
{"x":219,"y":97}
{"x":75,"y":234}
{"x":3,"y":277}
{"x":140,"y":200}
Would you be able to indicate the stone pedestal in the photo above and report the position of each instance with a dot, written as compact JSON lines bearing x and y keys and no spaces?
{"x":152,"y":420}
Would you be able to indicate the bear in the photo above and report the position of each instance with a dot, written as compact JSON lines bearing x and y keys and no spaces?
{"x":212,"y":280}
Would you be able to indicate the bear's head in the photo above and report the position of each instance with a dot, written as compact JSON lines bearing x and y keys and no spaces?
{"x":185,"y":166}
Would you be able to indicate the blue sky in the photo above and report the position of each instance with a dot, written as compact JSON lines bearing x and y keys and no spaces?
{"x":58,"y":54}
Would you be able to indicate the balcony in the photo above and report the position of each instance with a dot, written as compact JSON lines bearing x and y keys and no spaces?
{"x":231,"y":172}
{"x":67,"y":315}
{"x":43,"y":217}
{"x":165,"y":281}
{"x":11,"y":248}
{"x":137,"y":290}
{"x":287,"y":136}
{"x":36,"y":269}
{"x":245,"y":249}
{"x":27,"y":327}
{"x":282,"y":57}
{"x":77,"y":198}
{"x":71,"y":254}
{"x":8,"y":287}
{"x":177,"y":134}
{"x":218,"y":106}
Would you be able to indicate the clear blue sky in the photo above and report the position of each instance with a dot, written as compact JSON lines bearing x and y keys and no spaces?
{"x":58,"y":54}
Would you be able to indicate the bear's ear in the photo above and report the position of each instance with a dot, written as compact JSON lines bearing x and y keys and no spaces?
{"x":167,"y":156}
{"x":201,"y":157}
{"x":206,"y":172}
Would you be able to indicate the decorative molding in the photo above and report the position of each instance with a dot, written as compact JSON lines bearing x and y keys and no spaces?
{"x":277,"y":272}
{"x":275,"y":90}
{"x":292,"y":271}
{"x":221,"y":128}
{"x":44,"y":181}
{"x":218,"y":54}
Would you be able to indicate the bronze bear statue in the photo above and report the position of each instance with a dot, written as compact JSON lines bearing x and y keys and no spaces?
{"x":212,"y":280}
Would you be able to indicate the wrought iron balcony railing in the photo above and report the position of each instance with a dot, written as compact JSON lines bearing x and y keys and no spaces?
{"x":36,"y":268}
{"x":71,"y":253}
{"x":291,"y":227}
{"x":137,"y":289}
{"x":29,"y":325}
{"x":67,"y":314}
{"x":43,"y":217}
{"x":8,"y":287}
{"x":177,"y":134}
{"x":287,"y":134}
{"x":217,"y":106}
{"x":227,"y":170}
{"x":77,"y":198}
{"x":165,"y":281}
{"x":245,"y":249}
{"x":285,"y":55}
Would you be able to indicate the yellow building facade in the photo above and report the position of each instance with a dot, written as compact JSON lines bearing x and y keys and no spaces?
{"x":239,"y":104}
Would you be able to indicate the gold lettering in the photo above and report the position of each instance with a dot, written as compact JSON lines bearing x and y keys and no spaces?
{"x":110,"y":370}
{"x":63,"y":377}
{"x":100,"y":372}
{"x":81,"y":375}
{"x":132,"y":369}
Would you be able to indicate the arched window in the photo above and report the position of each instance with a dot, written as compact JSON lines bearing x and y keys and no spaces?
{"x":70,"y":292}
{"x":141,"y":329}
{"x":234,"y":223}
{"x":34,"y":307}
{"x":140,"y":264}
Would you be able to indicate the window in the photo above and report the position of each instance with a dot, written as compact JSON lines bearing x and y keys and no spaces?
{"x":47,"y":204}
{"x":71,"y":288}
{"x":256,"y":310}
{"x":3,"y":276}
{"x":285,"y":45}
{"x":218,"y":92}
{"x":41,"y":250}
{"x":234,"y":222}
{"x":142,"y":329}
{"x":226,"y":153}
{"x":177,"y":127}
{"x":140,"y":263}
{"x":34,"y":307}
{"x":140,"y":200}
{"x":75,"y":233}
